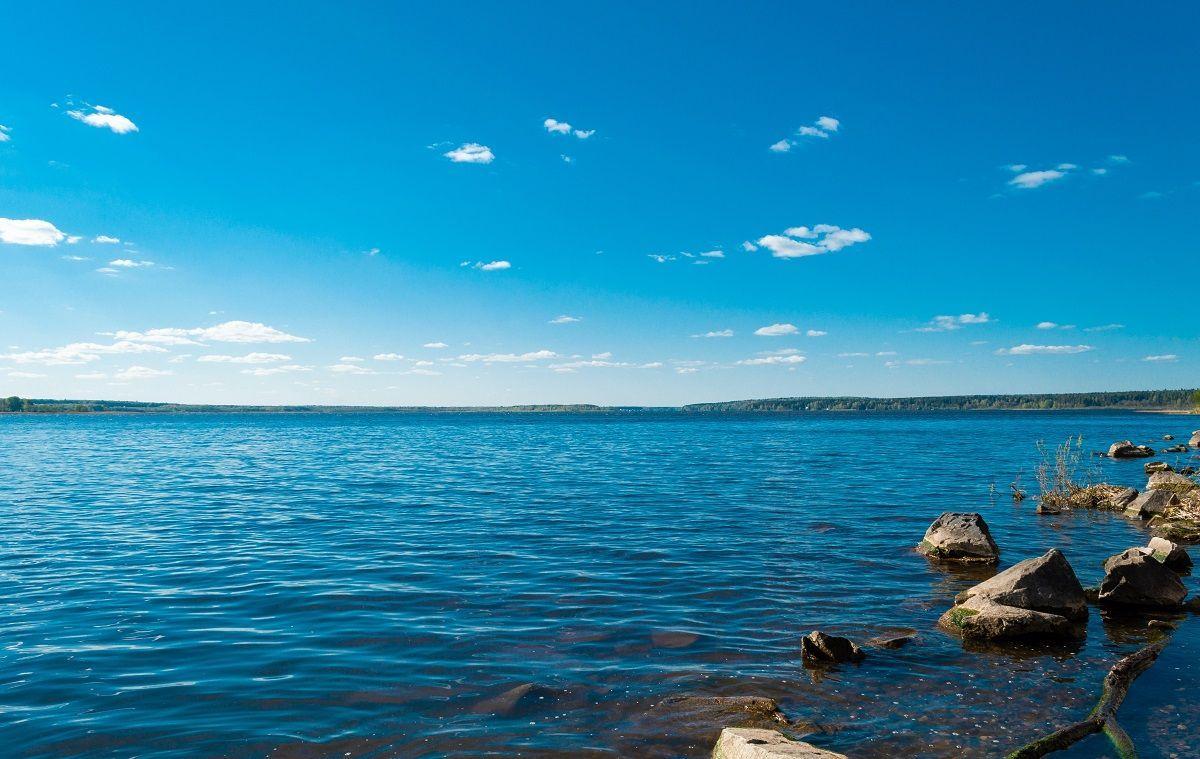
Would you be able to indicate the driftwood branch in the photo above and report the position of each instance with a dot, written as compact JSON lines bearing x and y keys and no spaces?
{"x":1104,"y":716}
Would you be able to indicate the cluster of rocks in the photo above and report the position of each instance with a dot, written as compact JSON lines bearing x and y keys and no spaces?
{"x":1041,"y":596}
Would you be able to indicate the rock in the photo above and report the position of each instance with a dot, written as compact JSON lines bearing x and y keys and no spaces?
{"x":1176,"y":529}
{"x":1157,"y":466}
{"x":1168,"y":437}
{"x":1122,"y":499}
{"x":1187,"y":470}
{"x":1158,"y":624}
{"x":1036,"y":597}
{"x":1127,"y":450}
{"x":959,"y":537}
{"x":1134,"y":578}
{"x":746,"y":743}
{"x":1172,"y":482}
{"x":897,"y":639}
{"x":818,"y":649}
{"x":1195,"y":441}
{"x":1172,"y":555}
{"x":1175,"y":449}
{"x":504,"y":703}
{"x":1151,"y":503}
{"x":722,"y":711}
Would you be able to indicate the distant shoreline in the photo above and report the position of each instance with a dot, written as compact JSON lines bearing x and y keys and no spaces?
{"x":1183,"y":402}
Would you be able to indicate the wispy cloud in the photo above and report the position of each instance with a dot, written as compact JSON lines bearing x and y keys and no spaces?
{"x":798,"y":242}
{"x":273,"y":370}
{"x":102,"y":117}
{"x":1104,"y":328}
{"x":471,"y":152}
{"x":438,"y":345}
{"x":716,"y":333}
{"x":349,"y":369}
{"x":488,"y":265}
{"x":226,"y":332}
{"x":776,"y":330}
{"x":508,"y":358}
{"x":1164,"y":357}
{"x":249,"y":358}
{"x":774,"y":360}
{"x":816,"y":333}
{"x":141,"y":372}
{"x":30,"y":232}
{"x":554,"y":126}
{"x":822,"y":128}
{"x":79,"y":353}
{"x":948,"y":323}
{"x":106,"y":240}
{"x":565,"y":319}
{"x":1025,"y":349}
{"x":129,"y":263}
{"x":4,"y":133}
{"x":1027,"y":180}
{"x":388,"y":357}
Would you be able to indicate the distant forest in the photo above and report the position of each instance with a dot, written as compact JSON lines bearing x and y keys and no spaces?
{"x":1179,"y":400}
{"x":1129,"y":399}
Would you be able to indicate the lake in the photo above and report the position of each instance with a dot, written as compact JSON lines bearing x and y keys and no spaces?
{"x":368,"y":584}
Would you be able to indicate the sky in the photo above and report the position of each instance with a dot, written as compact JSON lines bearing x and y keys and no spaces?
{"x":630,"y":203}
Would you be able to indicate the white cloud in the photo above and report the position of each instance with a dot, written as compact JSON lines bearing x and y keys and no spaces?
{"x":948,"y":323}
{"x":128,"y":263}
{"x":712,"y":254}
{"x":554,"y":126}
{"x":273,"y":370}
{"x":372,"y":252}
{"x":790,"y":358}
{"x":508,"y":358}
{"x":776,"y":330}
{"x":749,"y":247}
{"x":1165,"y":357}
{"x":828,"y":123}
{"x":1100,"y":172}
{"x":29,"y":232}
{"x":782,"y":146}
{"x":1066,"y":167}
{"x":1029,"y":179}
{"x":1025,"y":349}
{"x":226,"y":332}
{"x":1104,"y":328}
{"x":104,"y":118}
{"x":424,"y":372}
{"x":79,"y":353}
{"x":826,"y":238}
{"x":809,"y":131}
{"x":571,"y":366}
{"x":471,"y":152}
{"x":349,"y":369}
{"x":565,"y":319}
{"x":91,"y":376}
{"x":492,"y":265}
{"x":140,"y":372}
{"x":106,"y":240}
{"x":351,"y":359}
{"x":853,"y":355}
{"x":435,"y":345}
{"x":4,"y":133}
{"x":1118,"y":159}
{"x":816,"y":333}
{"x":1047,"y":325}
{"x":25,"y":375}
{"x":686,"y":370}
{"x":602,"y":356}
{"x":716,"y":333}
{"x":388,"y":357}
{"x":249,"y":358}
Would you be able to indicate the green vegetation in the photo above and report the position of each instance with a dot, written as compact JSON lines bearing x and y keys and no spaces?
{"x":1179,"y":400}
{"x":1172,"y":400}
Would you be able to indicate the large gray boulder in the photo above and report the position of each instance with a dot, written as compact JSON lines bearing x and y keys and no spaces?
{"x":1125,"y":449}
{"x":1172,"y":481}
{"x":1036,"y":597}
{"x":1195,"y":441}
{"x":818,"y":649}
{"x":748,"y":743}
{"x":959,"y":537}
{"x":1151,"y":503}
{"x":1135,"y":578}
{"x":1174,"y":556}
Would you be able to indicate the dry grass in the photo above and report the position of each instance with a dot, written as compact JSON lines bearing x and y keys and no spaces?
{"x":1063,"y":478}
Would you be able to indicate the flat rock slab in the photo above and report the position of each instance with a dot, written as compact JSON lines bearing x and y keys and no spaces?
{"x":746,"y":743}
{"x":1151,"y":503}
{"x":697,"y":712}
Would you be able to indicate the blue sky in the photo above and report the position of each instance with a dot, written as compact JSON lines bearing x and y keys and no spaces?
{"x":892,"y":200}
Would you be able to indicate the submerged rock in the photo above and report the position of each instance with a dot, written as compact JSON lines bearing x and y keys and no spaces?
{"x":896,"y":639}
{"x":959,"y":537}
{"x":722,"y":711}
{"x":1036,"y":597}
{"x":744,"y":743}
{"x":1125,"y":449}
{"x":1135,"y":578}
{"x":818,"y":649}
{"x":1151,"y":467}
{"x":1175,"y":449}
{"x":1172,"y":555}
{"x":1171,"y":481}
{"x":1151,"y":503}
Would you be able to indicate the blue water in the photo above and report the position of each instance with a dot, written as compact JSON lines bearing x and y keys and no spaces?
{"x":371,"y":584}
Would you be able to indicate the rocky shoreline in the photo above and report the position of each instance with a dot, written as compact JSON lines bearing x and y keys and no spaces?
{"x":1038,"y":601}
